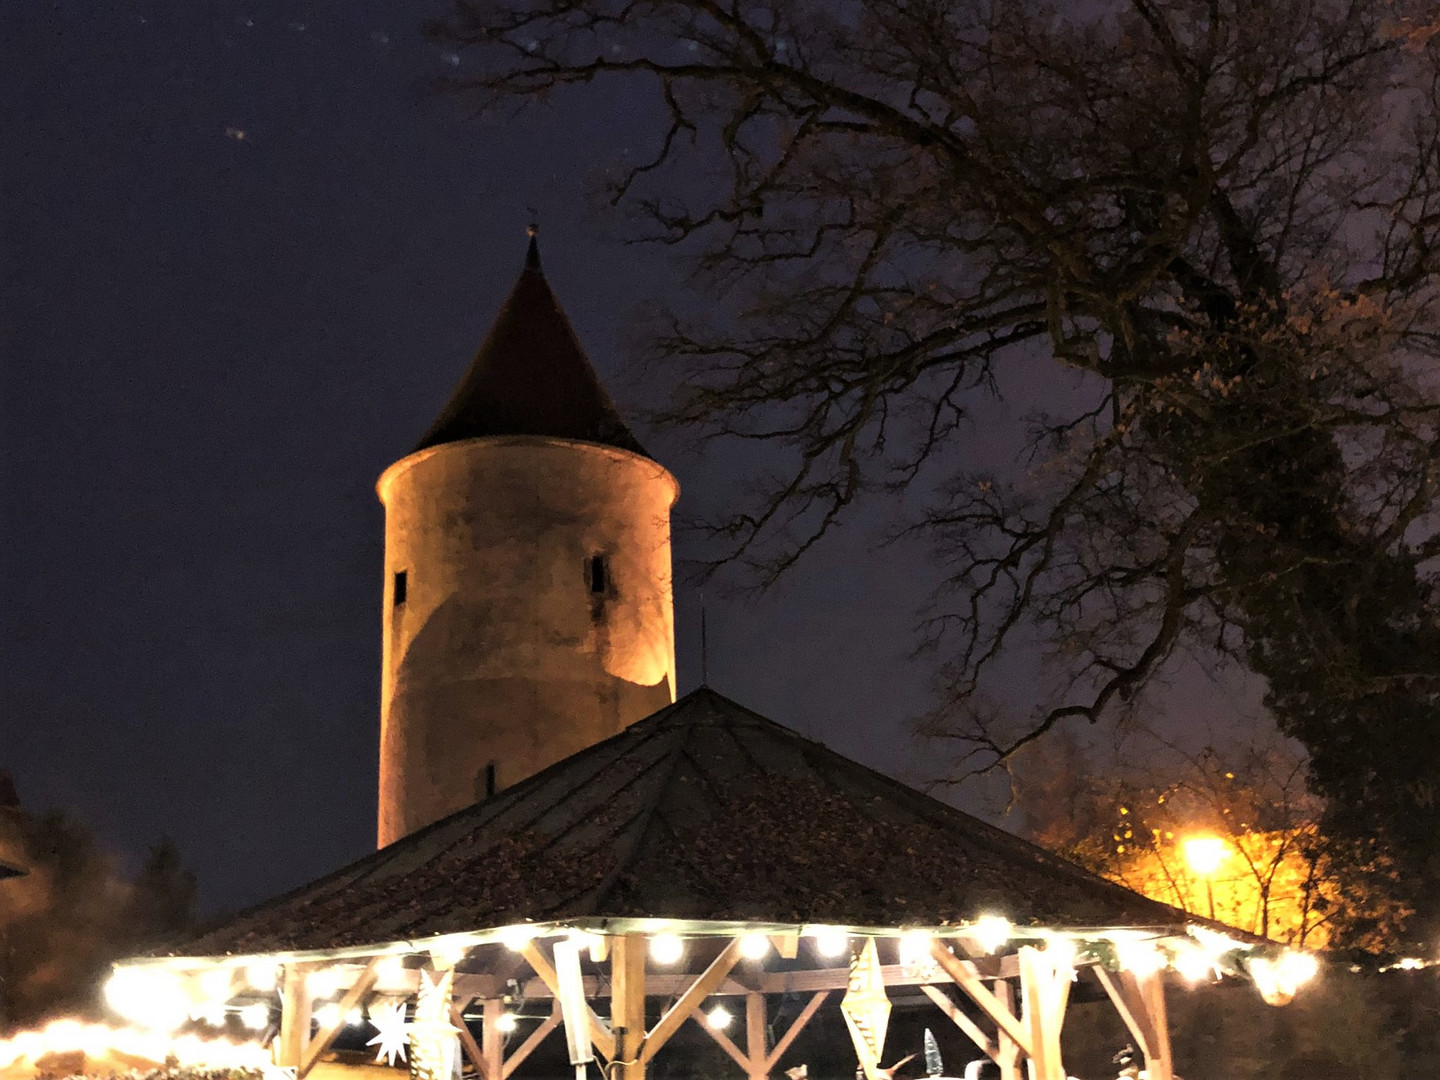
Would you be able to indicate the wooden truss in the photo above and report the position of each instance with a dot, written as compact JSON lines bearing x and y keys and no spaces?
{"x":1012,"y":1008}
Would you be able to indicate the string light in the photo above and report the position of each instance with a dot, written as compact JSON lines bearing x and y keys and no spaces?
{"x":215,"y":983}
{"x":98,"y":1041}
{"x":1140,"y":957}
{"x":324,"y":983}
{"x":831,"y":942}
{"x":718,"y":1018}
{"x":1194,"y":965}
{"x":507,"y":1022}
{"x":991,"y":932}
{"x":516,"y":938}
{"x":256,"y":1016}
{"x":754,"y":946}
{"x":915,"y":948}
{"x":262,"y":974}
{"x":666,"y":948}
{"x":391,"y":974}
{"x":152,"y":999}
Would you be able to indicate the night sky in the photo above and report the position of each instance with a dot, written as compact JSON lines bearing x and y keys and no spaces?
{"x":247,"y":253}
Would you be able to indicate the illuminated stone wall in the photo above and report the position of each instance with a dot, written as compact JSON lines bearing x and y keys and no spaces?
{"x":503,"y":651}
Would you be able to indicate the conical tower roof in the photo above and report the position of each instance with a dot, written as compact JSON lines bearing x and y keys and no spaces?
{"x":706,"y":812}
{"x":531,"y":377}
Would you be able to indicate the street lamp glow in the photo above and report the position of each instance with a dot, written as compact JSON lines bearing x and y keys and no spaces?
{"x":1204,"y":854}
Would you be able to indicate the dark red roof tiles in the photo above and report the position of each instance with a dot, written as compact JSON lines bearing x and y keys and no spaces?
{"x":531,"y":377}
{"x":703,"y":811}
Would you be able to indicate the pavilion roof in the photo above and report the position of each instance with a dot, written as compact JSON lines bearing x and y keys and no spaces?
{"x":531,"y":377}
{"x":704,"y":811}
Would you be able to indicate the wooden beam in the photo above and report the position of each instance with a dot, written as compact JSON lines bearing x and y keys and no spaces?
{"x":492,"y":1039}
{"x":797,"y":1026}
{"x":965,"y":976}
{"x":987,"y":1045}
{"x":528,"y":1047}
{"x":1124,"y":993}
{"x":294,"y":1017}
{"x":756,"y":1035}
{"x":669,"y":985}
{"x":600,"y":1033}
{"x":627,"y":1006}
{"x":1159,"y":1065}
{"x":690,"y":1000}
{"x":721,"y":1039}
{"x":325,"y":1038}
{"x":1010,"y":1053}
{"x":468,"y":1043}
{"x":1044,"y":992}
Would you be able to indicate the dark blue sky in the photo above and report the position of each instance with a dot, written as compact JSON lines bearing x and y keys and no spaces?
{"x":247,"y":252}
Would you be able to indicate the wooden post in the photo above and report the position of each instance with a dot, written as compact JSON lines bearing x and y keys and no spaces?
{"x":756,"y":1040}
{"x":627,"y":1005}
{"x":324,"y":1039}
{"x":1044,"y":992}
{"x":492,"y":1039}
{"x":294,"y":1035}
{"x":1158,"y":1064}
{"x":1009,"y":1056}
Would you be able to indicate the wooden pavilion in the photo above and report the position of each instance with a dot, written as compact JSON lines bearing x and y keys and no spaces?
{"x":704,"y":854}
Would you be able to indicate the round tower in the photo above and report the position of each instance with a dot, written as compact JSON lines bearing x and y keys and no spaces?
{"x":528,"y":604}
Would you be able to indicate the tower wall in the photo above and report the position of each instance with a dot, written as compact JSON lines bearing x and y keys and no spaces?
{"x":506,"y":652}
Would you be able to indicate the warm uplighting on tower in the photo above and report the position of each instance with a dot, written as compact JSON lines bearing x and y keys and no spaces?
{"x":666,"y":948}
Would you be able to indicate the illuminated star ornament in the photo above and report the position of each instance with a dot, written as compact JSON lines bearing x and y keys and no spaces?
{"x":392,"y":1032}
{"x":434,"y":1047}
{"x":866,"y":1008}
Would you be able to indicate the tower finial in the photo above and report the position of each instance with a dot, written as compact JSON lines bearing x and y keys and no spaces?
{"x":532,"y":256}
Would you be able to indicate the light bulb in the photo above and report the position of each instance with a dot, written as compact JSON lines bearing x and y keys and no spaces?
{"x":507,"y":1022}
{"x":718,"y":1018}
{"x":832,"y":942}
{"x":991,"y":932}
{"x":666,"y":948}
{"x":754,"y":946}
{"x":256,"y":1017}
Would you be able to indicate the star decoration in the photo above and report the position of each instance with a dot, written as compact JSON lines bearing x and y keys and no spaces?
{"x":392,"y":1032}
{"x":434,"y":1049}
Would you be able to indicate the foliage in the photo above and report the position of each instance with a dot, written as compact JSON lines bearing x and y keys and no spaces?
{"x":1280,"y":876}
{"x":73,"y":913}
{"x":1224,"y":217}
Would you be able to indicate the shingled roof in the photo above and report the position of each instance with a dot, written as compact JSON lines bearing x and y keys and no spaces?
{"x":531,"y":377}
{"x":704,"y":811}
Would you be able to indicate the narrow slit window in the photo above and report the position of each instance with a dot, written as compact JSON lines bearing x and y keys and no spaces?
{"x":398,"y":594}
{"x":599,"y":574}
{"x":490,"y":779}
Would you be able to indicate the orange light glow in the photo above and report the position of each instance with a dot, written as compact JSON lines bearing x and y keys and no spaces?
{"x":1204,"y":854}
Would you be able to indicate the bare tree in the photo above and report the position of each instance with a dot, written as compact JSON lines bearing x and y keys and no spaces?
{"x":1223,"y":214}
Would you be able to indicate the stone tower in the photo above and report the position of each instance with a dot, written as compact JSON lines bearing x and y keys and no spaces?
{"x":528,"y":605}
